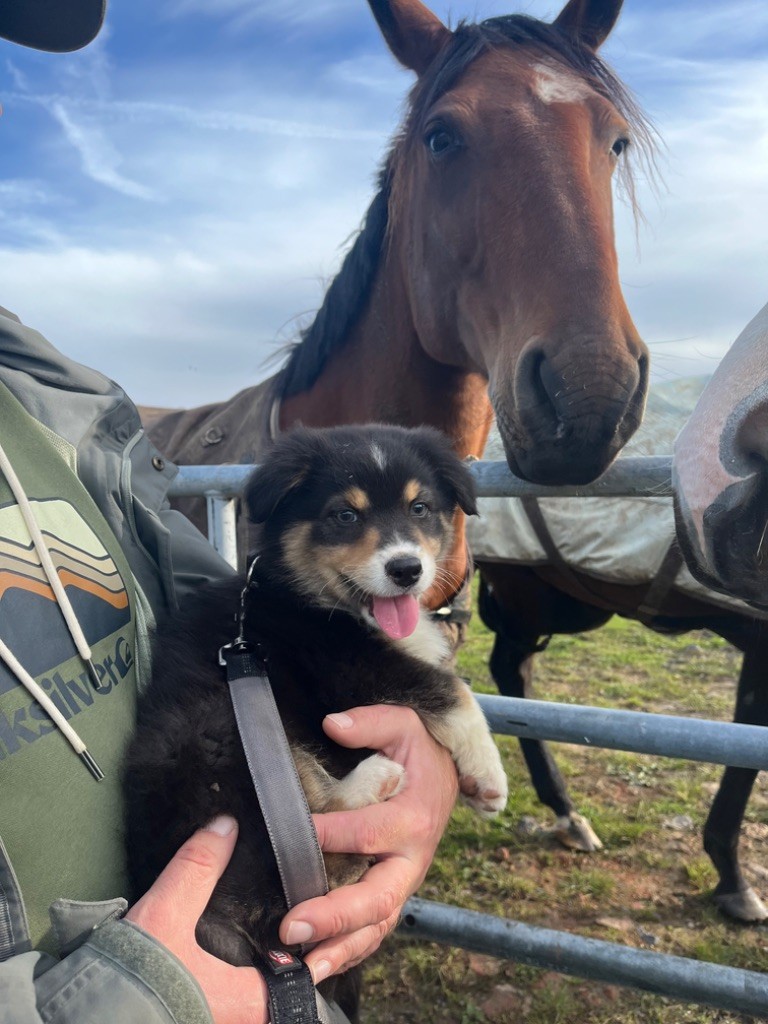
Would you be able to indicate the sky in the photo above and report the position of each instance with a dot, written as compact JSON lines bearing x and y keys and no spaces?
{"x":175,"y":198}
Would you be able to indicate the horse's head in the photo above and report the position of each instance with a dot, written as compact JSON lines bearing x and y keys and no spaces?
{"x":501,"y":214}
{"x":720,"y":472}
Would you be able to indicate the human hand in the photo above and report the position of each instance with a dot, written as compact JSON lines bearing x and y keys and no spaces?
{"x":402,"y":833}
{"x":171,"y":909}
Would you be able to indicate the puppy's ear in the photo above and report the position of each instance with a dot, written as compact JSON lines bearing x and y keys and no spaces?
{"x":283,"y":470}
{"x":453,"y":474}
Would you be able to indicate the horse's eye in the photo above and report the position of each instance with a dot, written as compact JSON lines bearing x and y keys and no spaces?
{"x":619,"y":147}
{"x":439,"y":140}
{"x":346,"y":515}
{"x":419,"y":509}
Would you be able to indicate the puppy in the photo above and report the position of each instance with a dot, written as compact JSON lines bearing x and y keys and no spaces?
{"x":354,"y":524}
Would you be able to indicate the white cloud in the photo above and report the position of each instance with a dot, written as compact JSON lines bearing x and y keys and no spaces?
{"x":100,"y":160}
{"x":242,"y":14}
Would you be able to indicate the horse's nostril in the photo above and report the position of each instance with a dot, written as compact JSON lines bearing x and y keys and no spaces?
{"x":536,"y":390}
{"x":404,"y":571}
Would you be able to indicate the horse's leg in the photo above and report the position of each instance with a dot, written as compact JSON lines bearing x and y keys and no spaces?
{"x":511,"y":666}
{"x":733,"y":895}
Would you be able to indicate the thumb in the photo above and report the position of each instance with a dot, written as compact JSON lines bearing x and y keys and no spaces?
{"x":385,"y":727}
{"x":184,"y":887}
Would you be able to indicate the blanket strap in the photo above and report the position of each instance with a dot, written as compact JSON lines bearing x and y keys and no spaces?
{"x":655,"y":595}
{"x":661,"y":584}
{"x":576,"y":587}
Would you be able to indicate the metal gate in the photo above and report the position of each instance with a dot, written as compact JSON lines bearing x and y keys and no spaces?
{"x":722,"y":743}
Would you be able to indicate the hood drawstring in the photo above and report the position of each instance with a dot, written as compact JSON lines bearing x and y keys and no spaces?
{"x":76,"y":632}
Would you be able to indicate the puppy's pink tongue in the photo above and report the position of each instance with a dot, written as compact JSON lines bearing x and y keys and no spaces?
{"x":397,"y":616}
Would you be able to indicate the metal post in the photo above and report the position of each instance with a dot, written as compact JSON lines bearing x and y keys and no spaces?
{"x":222,"y":526}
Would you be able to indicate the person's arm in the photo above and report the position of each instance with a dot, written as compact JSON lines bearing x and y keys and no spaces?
{"x":146,"y":968}
{"x":169,"y":913}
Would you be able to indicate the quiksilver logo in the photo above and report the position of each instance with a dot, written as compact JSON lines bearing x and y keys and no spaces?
{"x":71,"y":696}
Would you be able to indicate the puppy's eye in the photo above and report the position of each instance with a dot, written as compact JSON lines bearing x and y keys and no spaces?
{"x":419,"y":509}
{"x":345,"y":515}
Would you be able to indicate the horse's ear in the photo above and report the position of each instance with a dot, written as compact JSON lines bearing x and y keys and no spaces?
{"x":588,"y":22}
{"x":413,"y":33}
{"x":284,"y":469}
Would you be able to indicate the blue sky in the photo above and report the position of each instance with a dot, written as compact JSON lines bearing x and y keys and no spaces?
{"x":175,"y":196}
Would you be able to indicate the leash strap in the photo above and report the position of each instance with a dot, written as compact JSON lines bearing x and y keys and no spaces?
{"x":291,"y":992}
{"x":274,"y":776}
{"x":292,"y":995}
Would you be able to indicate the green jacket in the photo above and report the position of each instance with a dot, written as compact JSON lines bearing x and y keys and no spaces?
{"x":99,"y":488}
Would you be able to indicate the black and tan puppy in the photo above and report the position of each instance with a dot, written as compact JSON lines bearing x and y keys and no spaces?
{"x":354,"y":523}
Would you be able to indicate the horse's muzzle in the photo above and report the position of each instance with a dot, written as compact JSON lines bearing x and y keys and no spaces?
{"x":567,"y":428}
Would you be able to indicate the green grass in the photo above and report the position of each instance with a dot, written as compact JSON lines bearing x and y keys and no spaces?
{"x":651,"y":884}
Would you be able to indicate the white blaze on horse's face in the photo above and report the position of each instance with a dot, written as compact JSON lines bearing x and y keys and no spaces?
{"x":555,"y":85}
{"x":720,"y":472}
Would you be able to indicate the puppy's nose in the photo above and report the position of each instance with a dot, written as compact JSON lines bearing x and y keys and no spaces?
{"x":404,"y":571}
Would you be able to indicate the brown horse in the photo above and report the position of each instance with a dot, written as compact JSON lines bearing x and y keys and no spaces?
{"x":485,"y":268}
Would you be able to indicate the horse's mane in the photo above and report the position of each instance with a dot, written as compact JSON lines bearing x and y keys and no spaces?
{"x":350,"y":290}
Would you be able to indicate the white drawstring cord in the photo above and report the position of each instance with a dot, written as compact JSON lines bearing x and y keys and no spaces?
{"x":51,"y":710}
{"x":49,"y":568}
{"x":67,"y":611}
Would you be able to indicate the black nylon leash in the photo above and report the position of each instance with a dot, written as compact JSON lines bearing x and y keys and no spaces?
{"x":292,"y":995}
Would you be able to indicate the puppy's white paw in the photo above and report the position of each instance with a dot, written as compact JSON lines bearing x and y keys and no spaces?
{"x":484,"y":795}
{"x":484,"y":789}
{"x":372,"y":782}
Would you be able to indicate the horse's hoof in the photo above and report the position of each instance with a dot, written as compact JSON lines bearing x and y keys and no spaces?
{"x":744,"y":905}
{"x":575,"y":833}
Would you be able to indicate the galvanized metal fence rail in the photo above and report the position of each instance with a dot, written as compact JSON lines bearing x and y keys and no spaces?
{"x":723,"y":743}
{"x":222,"y":485}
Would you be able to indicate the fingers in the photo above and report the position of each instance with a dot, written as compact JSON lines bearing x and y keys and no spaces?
{"x":376,"y":898}
{"x":379,"y":828}
{"x":181,"y":893}
{"x":345,"y":951}
{"x":382,"y":727}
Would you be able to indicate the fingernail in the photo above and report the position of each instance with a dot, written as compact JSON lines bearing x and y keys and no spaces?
{"x":298,"y":932}
{"x":343,"y":721}
{"x":321,"y":971}
{"x":224,"y":825}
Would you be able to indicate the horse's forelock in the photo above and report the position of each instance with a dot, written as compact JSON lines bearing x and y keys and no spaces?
{"x":470,"y":40}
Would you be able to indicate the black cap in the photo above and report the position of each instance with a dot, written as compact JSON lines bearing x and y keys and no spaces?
{"x":55,"y":25}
